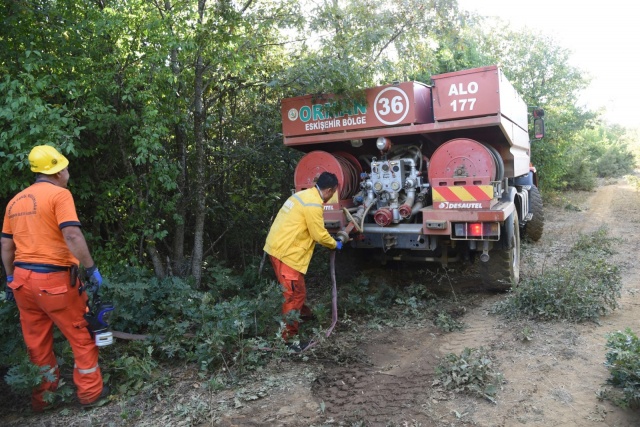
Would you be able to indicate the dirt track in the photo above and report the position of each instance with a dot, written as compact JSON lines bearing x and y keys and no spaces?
{"x":384,"y":378}
{"x":551,"y":380}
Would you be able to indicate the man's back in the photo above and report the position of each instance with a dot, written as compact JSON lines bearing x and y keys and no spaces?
{"x":34,"y":218}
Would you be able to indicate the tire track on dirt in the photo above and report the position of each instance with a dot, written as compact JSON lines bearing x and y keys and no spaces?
{"x":392,"y":389}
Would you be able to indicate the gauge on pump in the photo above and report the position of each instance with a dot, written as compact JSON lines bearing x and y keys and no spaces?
{"x":383,"y":144}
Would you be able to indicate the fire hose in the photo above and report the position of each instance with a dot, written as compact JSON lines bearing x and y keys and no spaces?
{"x":334,"y":300}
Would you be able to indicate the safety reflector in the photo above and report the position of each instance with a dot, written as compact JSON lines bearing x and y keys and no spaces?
{"x":463,"y":193}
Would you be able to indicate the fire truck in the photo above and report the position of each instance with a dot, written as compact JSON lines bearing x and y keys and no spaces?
{"x":436,"y":173}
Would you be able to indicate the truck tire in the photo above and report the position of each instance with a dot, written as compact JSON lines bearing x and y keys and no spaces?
{"x":502,"y":270}
{"x":533,"y":228}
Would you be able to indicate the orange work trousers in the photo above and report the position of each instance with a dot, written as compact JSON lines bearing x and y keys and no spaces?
{"x":45,"y":299}
{"x":294,"y":291}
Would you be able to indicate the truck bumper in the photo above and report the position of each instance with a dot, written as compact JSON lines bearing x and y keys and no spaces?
{"x":438,"y":221}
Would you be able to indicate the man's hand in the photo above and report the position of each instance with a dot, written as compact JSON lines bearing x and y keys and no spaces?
{"x":94,"y":279}
{"x":8,"y":292}
{"x":338,"y":244}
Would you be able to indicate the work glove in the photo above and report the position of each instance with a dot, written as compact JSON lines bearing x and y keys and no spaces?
{"x":8,"y":292}
{"x":94,"y":279}
{"x":338,"y":244}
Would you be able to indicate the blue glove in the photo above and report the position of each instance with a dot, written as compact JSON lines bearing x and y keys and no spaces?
{"x":8,"y":292}
{"x":338,"y":244}
{"x":94,"y":278}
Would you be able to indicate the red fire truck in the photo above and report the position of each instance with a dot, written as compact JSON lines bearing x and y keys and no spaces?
{"x":433,"y":173}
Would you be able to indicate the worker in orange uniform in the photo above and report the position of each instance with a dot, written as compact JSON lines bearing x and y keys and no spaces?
{"x":42,"y":244}
{"x":291,"y":240}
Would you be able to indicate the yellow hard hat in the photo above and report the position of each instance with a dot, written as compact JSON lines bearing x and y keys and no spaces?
{"x":47,"y":160}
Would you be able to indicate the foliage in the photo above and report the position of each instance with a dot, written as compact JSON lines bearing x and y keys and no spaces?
{"x":471,"y":372}
{"x":583,"y":287}
{"x":623,"y":363}
{"x":23,"y":377}
{"x":605,"y":150}
{"x":633,"y":180}
{"x":13,"y":349}
{"x":445,"y":322}
{"x":114,"y":87}
{"x":579,"y":172}
{"x":170,"y":115}
{"x":358,"y":297}
{"x":192,"y":325}
{"x":131,"y":368}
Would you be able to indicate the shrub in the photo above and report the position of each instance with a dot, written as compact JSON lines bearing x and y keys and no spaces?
{"x":584,"y":286}
{"x":445,"y":322}
{"x":472,"y":372}
{"x":24,"y":376}
{"x":623,"y":362}
{"x":189,"y":324}
{"x":13,"y":349}
{"x":617,"y":160}
{"x":361,"y":297}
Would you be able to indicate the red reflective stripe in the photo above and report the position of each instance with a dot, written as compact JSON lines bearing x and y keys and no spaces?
{"x":447,"y":194}
{"x":477,"y":192}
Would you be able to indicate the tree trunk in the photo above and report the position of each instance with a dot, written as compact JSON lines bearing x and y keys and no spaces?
{"x":158,"y":267}
{"x":200,"y":179}
{"x":177,"y":261}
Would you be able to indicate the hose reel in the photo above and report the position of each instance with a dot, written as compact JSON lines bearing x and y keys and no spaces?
{"x":344,"y":165}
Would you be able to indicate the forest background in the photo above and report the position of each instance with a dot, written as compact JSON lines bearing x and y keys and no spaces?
{"x":169,"y":112}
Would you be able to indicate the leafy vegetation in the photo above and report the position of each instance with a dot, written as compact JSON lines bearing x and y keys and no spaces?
{"x":169,"y":114}
{"x":470,"y":372}
{"x":623,"y":363}
{"x":445,"y":322}
{"x":584,"y":286}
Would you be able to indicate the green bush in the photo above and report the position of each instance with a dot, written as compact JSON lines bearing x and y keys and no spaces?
{"x":471,"y":372}
{"x":194,"y":325}
{"x":13,"y":349}
{"x":445,"y":322}
{"x":584,"y":285}
{"x":623,"y":362}
{"x":24,"y":376}
{"x":360,"y":296}
{"x":579,"y":172}
{"x":616,"y":161}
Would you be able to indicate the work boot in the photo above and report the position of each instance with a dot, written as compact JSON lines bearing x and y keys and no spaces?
{"x":297,"y":347}
{"x":100,"y":401}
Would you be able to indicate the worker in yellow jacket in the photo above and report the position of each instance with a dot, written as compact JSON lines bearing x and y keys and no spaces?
{"x":291,"y":240}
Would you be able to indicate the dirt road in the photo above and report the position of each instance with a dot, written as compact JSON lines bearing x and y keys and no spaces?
{"x":551,"y":379}
{"x":382,"y":374}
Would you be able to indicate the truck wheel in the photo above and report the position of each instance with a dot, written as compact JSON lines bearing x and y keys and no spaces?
{"x":533,"y":228}
{"x":502,"y":270}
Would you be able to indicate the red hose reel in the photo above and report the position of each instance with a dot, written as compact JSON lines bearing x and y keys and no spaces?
{"x":344,"y":165}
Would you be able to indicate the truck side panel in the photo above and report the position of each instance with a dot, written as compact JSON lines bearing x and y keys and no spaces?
{"x":392,"y":105}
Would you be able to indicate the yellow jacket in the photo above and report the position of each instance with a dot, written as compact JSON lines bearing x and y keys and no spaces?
{"x":296,"y":229}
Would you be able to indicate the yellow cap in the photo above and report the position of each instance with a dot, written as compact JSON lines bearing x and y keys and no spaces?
{"x":47,"y":160}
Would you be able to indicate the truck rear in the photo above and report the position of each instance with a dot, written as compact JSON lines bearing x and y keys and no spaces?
{"x":437,"y":173}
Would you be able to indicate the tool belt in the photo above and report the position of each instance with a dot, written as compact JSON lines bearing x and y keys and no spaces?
{"x":48,"y":268}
